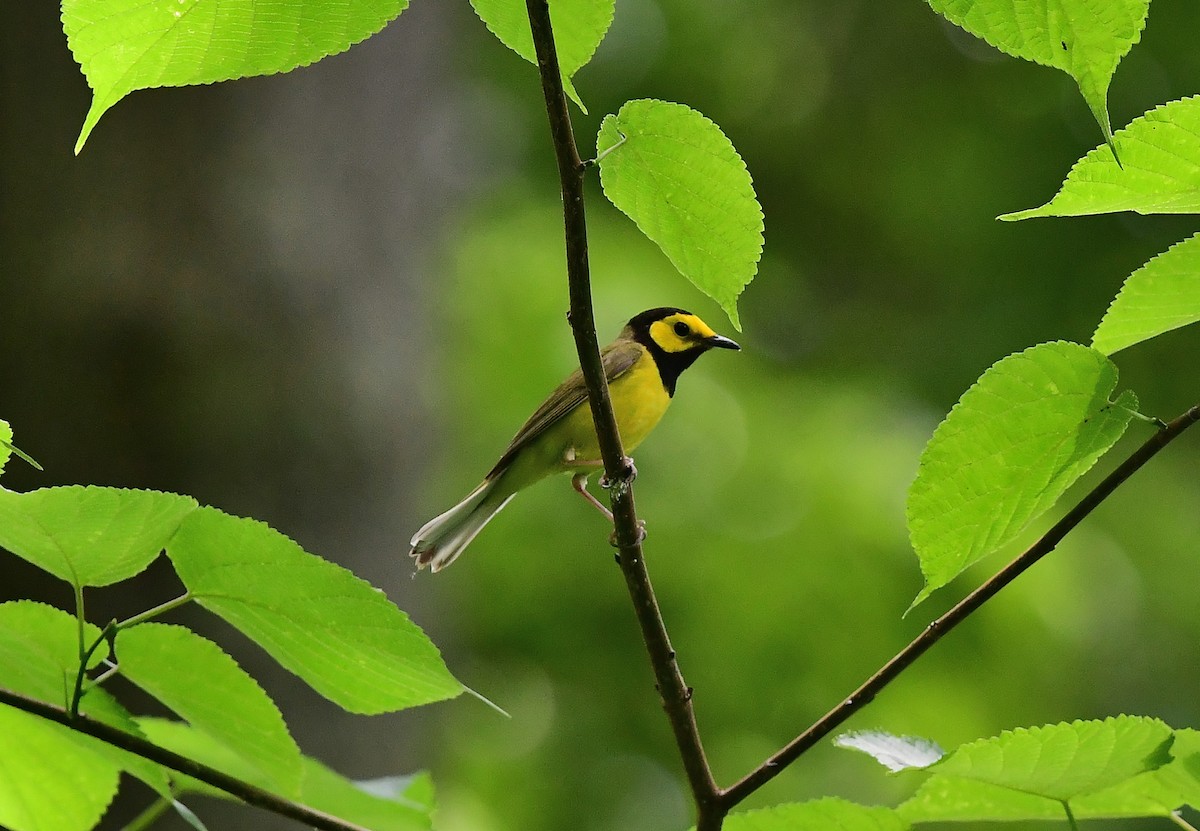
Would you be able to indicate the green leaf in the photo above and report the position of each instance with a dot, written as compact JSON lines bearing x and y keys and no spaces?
{"x":201,"y":683}
{"x":90,"y":536}
{"x":895,"y":753}
{"x":320,"y":787}
{"x":1162,"y":295}
{"x":1083,"y":38}
{"x":6,"y":446}
{"x":39,"y":657}
{"x":1021,"y":435}
{"x":820,"y":815}
{"x":39,"y":650}
{"x":337,"y":632}
{"x":1063,"y":761}
{"x":126,"y":45}
{"x":579,"y":26}
{"x":954,"y":799}
{"x":1159,"y":171}
{"x":681,"y":181}
{"x":48,"y":782}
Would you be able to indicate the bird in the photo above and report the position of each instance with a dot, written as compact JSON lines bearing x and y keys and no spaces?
{"x":642,"y":367}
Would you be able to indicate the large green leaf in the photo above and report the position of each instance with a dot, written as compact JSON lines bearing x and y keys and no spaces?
{"x":39,"y":657}
{"x":1152,"y":793}
{"x":820,"y":815}
{"x":579,"y":26}
{"x":48,"y":781}
{"x":678,"y":177}
{"x":1084,"y":38}
{"x":320,"y":788}
{"x":1021,"y":435}
{"x":90,"y":536}
{"x":200,"y":682}
{"x":126,"y":45}
{"x":1162,"y":295}
{"x":1063,"y":761}
{"x":337,"y":632}
{"x":1159,"y":171}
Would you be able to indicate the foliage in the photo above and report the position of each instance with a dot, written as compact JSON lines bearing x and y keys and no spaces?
{"x":1029,"y":428}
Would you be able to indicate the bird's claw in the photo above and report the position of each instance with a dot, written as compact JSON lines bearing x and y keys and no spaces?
{"x":641,"y":535}
{"x":623,"y":480}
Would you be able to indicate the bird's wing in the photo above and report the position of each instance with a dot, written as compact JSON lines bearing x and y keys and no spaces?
{"x":616,"y":358}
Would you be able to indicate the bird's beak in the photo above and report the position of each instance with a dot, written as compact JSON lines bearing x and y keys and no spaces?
{"x":721,"y":342}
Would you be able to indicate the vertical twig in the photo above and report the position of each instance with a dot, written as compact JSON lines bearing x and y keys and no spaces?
{"x":676,"y":695}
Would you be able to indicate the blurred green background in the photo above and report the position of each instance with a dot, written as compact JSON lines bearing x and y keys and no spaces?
{"x":327,"y":300}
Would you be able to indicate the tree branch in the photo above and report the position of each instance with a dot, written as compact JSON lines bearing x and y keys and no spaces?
{"x":933,"y":633}
{"x":676,"y":695}
{"x":181,"y":764}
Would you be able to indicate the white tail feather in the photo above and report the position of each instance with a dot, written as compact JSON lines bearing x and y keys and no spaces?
{"x":439,"y":542}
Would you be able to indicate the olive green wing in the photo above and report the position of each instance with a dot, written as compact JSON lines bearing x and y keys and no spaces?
{"x":616,"y":358}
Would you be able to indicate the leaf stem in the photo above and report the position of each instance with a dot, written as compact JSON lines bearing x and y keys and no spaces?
{"x":181,"y":764}
{"x":1177,"y":818}
{"x":161,"y":608}
{"x":85,"y":656}
{"x":148,"y":817}
{"x":862,"y":696}
{"x":675,"y":694}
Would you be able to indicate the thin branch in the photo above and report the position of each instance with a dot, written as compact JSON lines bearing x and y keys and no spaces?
{"x":77,"y":693}
{"x":675,"y":693}
{"x":932,"y":633}
{"x":181,"y":764}
{"x":161,"y":608}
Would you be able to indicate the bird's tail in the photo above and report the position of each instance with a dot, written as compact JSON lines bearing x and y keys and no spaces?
{"x":444,"y":537}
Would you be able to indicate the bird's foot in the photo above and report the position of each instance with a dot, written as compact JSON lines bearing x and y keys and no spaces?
{"x":641,"y":536}
{"x":623,"y":479}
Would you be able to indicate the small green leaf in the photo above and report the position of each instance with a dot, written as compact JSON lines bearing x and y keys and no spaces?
{"x":48,"y":782}
{"x":39,"y":650}
{"x":320,"y":787}
{"x":90,"y":536}
{"x":1063,"y":761}
{"x":197,"y":680}
{"x":1021,"y":435}
{"x":6,"y":446}
{"x":126,"y":45}
{"x":579,"y":26}
{"x":820,"y":815}
{"x":1083,"y":38}
{"x":895,"y":753}
{"x":337,"y":632}
{"x":39,"y":657}
{"x":676,"y":175}
{"x":1162,"y":295}
{"x":1159,"y":171}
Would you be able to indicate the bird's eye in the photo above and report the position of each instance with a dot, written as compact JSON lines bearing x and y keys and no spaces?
{"x":682,"y":329}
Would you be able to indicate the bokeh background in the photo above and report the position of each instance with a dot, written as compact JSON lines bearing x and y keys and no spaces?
{"x":327,"y":299}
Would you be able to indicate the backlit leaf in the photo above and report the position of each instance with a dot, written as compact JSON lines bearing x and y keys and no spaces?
{"x":337,"y":632}
{"x":201,"y":683}
{"x":579,"y":26}
{"x":895,"y":753}
{"x":1021,"y":435}
{"x":126,"y":45}
{"x":682,"y":182}
{"x":820,"y":815}
{"x":1159,"y":171}
{"x":1063,"y":761}
{"x":1162,"y":295}
{"x":48,"y":781}
{"x":90,"y":536}
{"x":1083,"y":38}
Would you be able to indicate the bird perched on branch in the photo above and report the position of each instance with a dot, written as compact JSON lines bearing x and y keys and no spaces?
{"x":641,"y":365}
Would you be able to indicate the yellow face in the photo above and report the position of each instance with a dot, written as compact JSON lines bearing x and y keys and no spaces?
{"x":680,"y":332}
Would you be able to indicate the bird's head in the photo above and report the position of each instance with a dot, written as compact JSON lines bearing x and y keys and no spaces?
{"x":676,"y":338}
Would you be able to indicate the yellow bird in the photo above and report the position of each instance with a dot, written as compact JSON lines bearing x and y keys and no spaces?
{"x":641,"y":365}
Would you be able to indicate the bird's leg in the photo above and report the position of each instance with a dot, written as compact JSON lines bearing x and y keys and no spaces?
{"x":579,"y":483}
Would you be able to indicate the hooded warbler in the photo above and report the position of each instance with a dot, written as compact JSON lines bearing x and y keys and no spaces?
{"x":642,"y":366}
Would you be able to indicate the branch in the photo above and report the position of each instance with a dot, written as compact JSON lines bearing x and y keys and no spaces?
{"x":181,"y":764}
{"x":932,"y":633}
{"x":675,"y":693}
